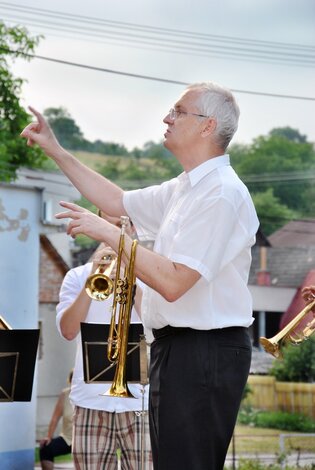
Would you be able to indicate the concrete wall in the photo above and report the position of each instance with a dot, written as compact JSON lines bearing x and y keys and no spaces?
{"x":19,"y":265}
{"x":55,"y":361}
{"x":27,"y":209}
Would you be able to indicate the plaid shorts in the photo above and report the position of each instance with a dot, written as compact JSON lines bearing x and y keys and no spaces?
{"x":98,"y":434}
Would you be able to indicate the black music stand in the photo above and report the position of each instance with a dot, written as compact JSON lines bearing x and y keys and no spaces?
{"x":97,"y":368}
{"x":18,"y":349}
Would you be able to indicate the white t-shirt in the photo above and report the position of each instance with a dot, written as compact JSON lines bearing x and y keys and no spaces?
{"x":206,"y":220}
{"x":89,"y":395}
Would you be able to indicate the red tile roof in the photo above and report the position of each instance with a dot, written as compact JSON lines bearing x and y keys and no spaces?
{"x":295,"y":233}
{"x":298,"y":304}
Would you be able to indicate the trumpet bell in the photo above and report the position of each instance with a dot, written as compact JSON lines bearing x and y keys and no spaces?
{"x":270,"y":347}
{"x":287,"y":334}
{"x":99,"y":287}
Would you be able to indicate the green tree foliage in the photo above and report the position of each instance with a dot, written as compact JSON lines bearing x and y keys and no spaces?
{"x":66,"y":130}
{"x":165,"y":163}
{"x":153,"y":164}
{"x":131,"y":169}
{"x":298,"y":363}
{"x":289,"y":133}
{"x":271,"y":213}
{"x":108,"y":148}
{"x":111,"y":169}
{"x":275,"y":167}
{"x":14,"y":153}
{"x":71,"y":137}
{"x":83,"y":241}
{"x":276,"y":156}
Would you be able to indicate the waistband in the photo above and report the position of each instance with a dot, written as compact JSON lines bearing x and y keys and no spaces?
{"x":174,"y":330}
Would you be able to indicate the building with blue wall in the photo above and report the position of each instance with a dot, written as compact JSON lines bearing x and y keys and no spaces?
{"x":26,"y":210}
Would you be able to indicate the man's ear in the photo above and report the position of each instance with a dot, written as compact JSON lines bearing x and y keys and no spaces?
{"x":209,"y":126}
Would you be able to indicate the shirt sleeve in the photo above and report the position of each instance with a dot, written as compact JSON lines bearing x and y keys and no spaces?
{"x":70,"y":289}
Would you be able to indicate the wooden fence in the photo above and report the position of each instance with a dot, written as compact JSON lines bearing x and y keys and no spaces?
{"x":268,"y":394}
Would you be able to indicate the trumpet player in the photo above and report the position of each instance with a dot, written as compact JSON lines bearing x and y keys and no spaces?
{"x":195,"y":298}
{"x":101,"y":424}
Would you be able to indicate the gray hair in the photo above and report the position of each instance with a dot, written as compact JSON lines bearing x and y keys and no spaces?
{"x":219,"y":103}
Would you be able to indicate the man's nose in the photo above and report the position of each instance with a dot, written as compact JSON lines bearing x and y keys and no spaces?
{"x":167,"y":119}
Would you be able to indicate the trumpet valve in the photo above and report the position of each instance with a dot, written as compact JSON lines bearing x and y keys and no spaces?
{"x":296,"y":338}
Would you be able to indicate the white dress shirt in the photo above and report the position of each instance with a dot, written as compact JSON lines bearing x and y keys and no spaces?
{"x":88,"y":395}
{"x":206,"y":220}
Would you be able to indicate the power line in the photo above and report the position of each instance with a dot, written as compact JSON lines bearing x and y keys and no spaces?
{"x":279,"y":177}
{"x":188,"y":45}
{"x":145,"y":77}
{"x":153,"y":28}
{"x":246,"y":49}
{"x":169,"y":48}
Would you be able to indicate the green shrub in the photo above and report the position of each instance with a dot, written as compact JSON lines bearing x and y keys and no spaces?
{"x":286,"y":421}
{"x":298,"y":363}
{"x":256,"y":465}
{"x":276,"y":420}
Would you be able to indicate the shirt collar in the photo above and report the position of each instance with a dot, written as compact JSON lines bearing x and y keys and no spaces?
{"x":207,"y":167}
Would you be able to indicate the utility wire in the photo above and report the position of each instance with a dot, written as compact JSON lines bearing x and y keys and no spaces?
{"x":188,"y":45}
{"x":145,"y":77}
{"x":282,"y":178}
{"x":146,"y":45}
{"x":279,"y":177}
{"x":158,"y":30}
{"x":257,"y":50}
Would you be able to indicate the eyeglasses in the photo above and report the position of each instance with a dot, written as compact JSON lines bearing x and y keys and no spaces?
{"x":174,"y":114}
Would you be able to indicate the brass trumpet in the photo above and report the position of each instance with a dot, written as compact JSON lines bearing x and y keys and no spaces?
{"x":124,"y":292}
{"x":274,"y":345}
{"x":99,"y":286}
{"x":4,"y":325}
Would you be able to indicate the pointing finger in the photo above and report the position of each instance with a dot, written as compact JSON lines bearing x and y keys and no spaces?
{"x":71,"y":206}
{"x":38,"y":115}
{"x":67,"y":215}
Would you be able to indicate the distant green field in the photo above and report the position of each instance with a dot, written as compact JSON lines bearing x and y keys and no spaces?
{"x":92,"y":160}
{"x":96,"y":160}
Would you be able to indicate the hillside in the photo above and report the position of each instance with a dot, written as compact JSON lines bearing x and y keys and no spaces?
{"x":92,"y":160}
{"x":127,"y":172}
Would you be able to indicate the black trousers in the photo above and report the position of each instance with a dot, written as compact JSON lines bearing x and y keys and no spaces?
{"x":56,"y":447}
{"x":196,"y":383}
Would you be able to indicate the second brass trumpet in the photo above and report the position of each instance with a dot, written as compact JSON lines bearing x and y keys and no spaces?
{"x":99,"y":286}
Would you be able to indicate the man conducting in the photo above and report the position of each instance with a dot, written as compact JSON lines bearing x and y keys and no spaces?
{"x":195,"y":298}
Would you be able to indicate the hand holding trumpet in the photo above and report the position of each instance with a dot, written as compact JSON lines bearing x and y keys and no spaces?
{"x":102,"y":259}
{"x":308,"y":294}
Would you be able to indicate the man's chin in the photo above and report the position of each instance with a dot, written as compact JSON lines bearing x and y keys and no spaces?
{"x":166,"y":144}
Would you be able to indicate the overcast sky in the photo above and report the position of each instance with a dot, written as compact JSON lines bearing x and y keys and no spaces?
{"x":130,"y":110}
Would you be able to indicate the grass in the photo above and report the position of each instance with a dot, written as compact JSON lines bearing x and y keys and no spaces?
{"x":92,"y":160}
{"x":248,"y":439}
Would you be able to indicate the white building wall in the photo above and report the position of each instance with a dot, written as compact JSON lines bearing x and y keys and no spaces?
{"x":27,"y":208}
{"x":56,"y":359}
{"x":19,"y":264}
